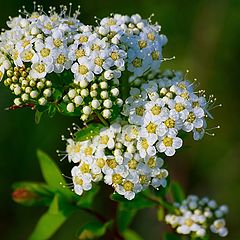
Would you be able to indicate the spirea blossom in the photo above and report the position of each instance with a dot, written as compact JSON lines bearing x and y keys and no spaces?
{"x":197,"y":216}
{"x":113,"y":157}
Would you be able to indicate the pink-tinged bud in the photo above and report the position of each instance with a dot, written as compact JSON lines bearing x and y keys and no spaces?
{"x":22,"y":195}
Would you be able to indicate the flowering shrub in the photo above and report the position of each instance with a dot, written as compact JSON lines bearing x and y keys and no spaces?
{"x":131,"y":116}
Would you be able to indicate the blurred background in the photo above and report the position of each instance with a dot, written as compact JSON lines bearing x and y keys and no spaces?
{"x":204,"y":36}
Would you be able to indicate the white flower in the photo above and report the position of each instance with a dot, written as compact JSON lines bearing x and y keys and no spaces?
{"x":82,"y":182}
{"x":39,"y":70}
{"x":169,"y":143}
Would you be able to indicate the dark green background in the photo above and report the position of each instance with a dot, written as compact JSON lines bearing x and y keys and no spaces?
{"x":205,"y":38}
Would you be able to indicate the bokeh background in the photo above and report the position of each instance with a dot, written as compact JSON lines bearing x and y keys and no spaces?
{"x":204,"y":36}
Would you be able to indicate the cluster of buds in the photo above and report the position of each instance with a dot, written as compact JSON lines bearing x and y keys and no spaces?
{"x":196,"y":216}
{"x":95,"y":97}
{"x":27,"y":89}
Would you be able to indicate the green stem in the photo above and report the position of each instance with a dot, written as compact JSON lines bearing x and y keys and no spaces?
{"x":101,"y":118}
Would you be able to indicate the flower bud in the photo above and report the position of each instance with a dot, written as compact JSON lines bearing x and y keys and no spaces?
{"x":42,"y":101}
{"x":103,"y":85}
{"x":72,"y":93}
{"x":78,"y":100}
{"x":106,"y":113}
{"x":83,"y":83}
{"x":115,"y":92}
{"x":70,"y":107}
{"x":17,"y":101}
{"x":108,"y":74}
{"x":40,"y":85}
{"x":47,"y":93}
{"x":87,"y":110}
{"x":23,"y":195}
{"x":17,"y":90}
{"x":84,"y":117}
{"x":25,"y":97}
{"x":107,"y":103}
{"x":119,"y":102}
{"x":95,"y":104}
{"x":28,"y":90}
{"x":84,"y":92}
{"x":104,"y":94}
{"x":33,"y":94}
{"x":103,"y":30}
{"x":93,"y":93}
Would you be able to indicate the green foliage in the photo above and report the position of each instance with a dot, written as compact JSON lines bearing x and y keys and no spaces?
{"x":88,"y":132}
{"x":171,"y":236}
{"x":160,"y":214}
{"x":93,"y":230}
{"x":177,"y":192}
{"x":86,"y":200}
{"x":131,"y":235}
{"x":52,"y":174}
{"x":38,"y":116}
{"x":52,"y":220}
{"x":32,"y":194}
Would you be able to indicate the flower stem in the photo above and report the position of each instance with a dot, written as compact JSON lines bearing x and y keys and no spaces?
{"x":101,"y":118}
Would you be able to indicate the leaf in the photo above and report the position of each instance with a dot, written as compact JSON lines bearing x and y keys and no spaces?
{"x":93,"y":230}
{"x":160,"y":214}
{"x":171,"y":236}
{"x":177,"y":192}
{"x":32,"y":194}
{"x":38,"y":116}
{"x":88,"y":132}
{"x":52,"y":110}
{"x":87,"y":198}
{"x":124,"y":217}
{"x":139,"y":202}
{"x":52,"y":174}
{"x":131,"y":235}
{"x":51,"y":221}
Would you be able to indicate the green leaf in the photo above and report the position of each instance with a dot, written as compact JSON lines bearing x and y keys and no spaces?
{"x":160,"y":214}
{"x":88,"y":132}
{"x":32,"y":194}
{"x":86,"y":200}
{"x":93,"y":230}
{"x":124,"y":217}
{"x":52,"y":110}
{"x":131,"y":235}
{"x":177,"y":192}
{"x":38,"y":116}
{"x":171,"y":236}
{"x":139,"y":202}
{"x":51,"y":221}
{"x":52,"y":174}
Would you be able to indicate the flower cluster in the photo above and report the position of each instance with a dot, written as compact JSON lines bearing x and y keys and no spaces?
{"x":112,"y":156}
{"x":162,"y":108}
{"x":83,"y":63}
{"x":195,"y":216}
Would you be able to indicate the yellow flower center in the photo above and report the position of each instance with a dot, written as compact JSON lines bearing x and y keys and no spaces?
{"x":156,"y":110}
{"x":45,"y":52}
{"x":114,"y":56}
{"x":184,"y":95}
{"x":128,"y":186}
{"x":132,"y":164}
{"x":88,"y":151}
{"x":80,"y":53}
{"x":151,"y":36}
{"x":82,"y":69}
{"x":137,"y":62}
{"x":111,"y":22}
{"x":57,"y":42}
{"x":191,"y":117}
{"x":189,"y":222}
{"x":61,"y":59}
{"x":179,"y":107}
{"x":143,"y":179}
{"x":104,"y":139}
{"x":112,"y":163}
{"x":170,"y":123}
{"x":100,"y":162}
{"x":140,"y":111}
{"x":48,"y":26}
{"x":152,"y":162}
{"x":116,"y":178}
{"x":144,"y":143}
{"x":85,"y":168}
{"x":155,"y":55}
{"x":40,"y":68}
{"x":98,"y":61}
{"x":151,"y":127}
{"x":142,"y":44}
{"x":77,"y":180}
{"x":128,"y":138}
{"x":28,"y":55}
{"x":83,"y":39}
{"x":95,"y":47}
{"x":168,"y":141}
{"x":25,"y":43}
